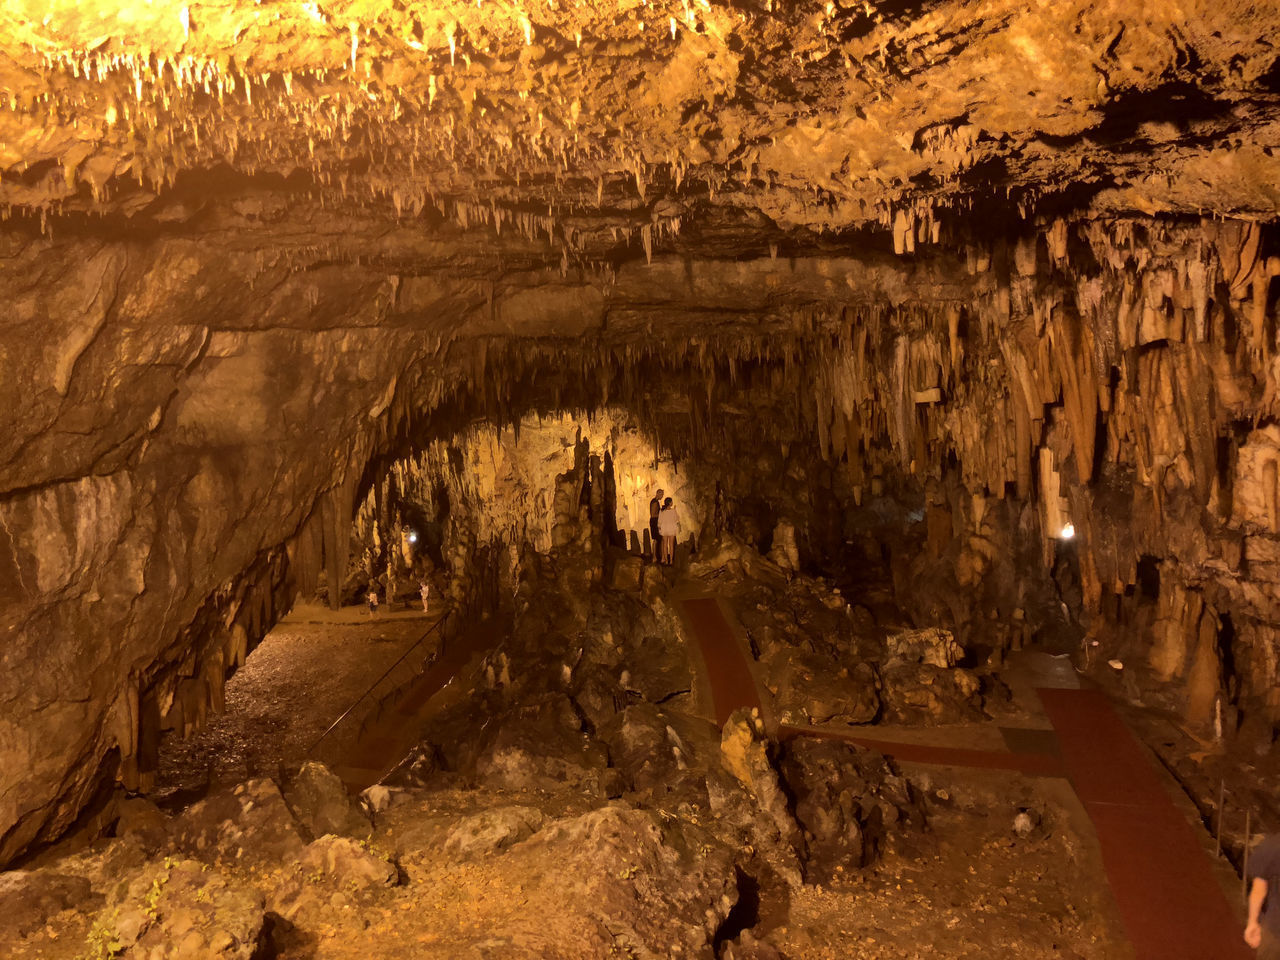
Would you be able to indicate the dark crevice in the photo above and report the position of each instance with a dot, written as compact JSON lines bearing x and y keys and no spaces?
{"x":744,"y":914}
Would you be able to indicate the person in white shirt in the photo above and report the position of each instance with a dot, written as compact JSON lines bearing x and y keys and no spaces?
{"x":668,"y":527}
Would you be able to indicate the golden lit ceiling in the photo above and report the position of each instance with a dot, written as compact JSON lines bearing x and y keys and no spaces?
{"x":822,"y":116}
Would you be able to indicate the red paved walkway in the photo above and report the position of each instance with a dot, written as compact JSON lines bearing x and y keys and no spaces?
{"x":1162,"y":878}
{"x":732,"y":685}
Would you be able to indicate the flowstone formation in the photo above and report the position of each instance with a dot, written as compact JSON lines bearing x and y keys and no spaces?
{"x":909,"y":291}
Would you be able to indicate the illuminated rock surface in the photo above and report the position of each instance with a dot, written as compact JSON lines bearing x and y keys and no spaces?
{"x":893,"y":294}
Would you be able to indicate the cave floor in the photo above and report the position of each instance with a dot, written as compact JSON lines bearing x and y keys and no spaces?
{"x":1170,"y":890}
{"x":303,"y":675}
{"x":968,"y":887}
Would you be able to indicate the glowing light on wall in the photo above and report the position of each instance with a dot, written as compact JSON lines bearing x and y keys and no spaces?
{"x":1068,"y":531}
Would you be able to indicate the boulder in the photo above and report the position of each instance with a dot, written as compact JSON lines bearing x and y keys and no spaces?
{"x":845,"y":797}
{"x":652,"y":757}
{"x":141,"y":821}
{"x":1028,"y":823}
{"x":848,"y":696}
{"x":637,"y":745}
{"x":657,"y":888}
{"x":183,"y":911}
{"x":926,"y":694}
{"x":747,"y":947}
{"x":248,"y":824}
{"x":31,"y":898}
{"x":492,"y":830}
{"x":745,"y":755}
{"x":377,"y":798}
{"x":598,"y":692}
{"x":627,"y":574}
{"x":349,"y":863}
{"x":784,"y":552}
{"x":809,"y":690}
{"x":418,"y":768}
{"x":541,"y":747}
{"x":931,"y":645}
{"x":322,"y":805}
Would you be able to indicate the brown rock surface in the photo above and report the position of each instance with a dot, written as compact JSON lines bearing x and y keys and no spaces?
{"x":952,"y":278}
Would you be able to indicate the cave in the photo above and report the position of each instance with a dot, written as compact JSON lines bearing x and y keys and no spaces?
{"x":351,"y":351}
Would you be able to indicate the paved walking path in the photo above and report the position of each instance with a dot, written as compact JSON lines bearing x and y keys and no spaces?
{"x":1161,"y":875}
{"x":389,"y":738}
{"x":732,"y":685}
{"x":1032,"y":764}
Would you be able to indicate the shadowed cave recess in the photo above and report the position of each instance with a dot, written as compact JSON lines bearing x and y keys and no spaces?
{"x":950,"y":326}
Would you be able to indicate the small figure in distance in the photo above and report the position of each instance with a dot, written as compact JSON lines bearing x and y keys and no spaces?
{"x":668,"y":527}
{"x":655,"y":508}
{"x":424,"y":591}
{"x":372,"y":597}
{"x":1262,"y":932}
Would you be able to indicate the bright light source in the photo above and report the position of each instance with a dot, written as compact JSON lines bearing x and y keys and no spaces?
{"x":1068,"y":531}
{"x":413,"y":537}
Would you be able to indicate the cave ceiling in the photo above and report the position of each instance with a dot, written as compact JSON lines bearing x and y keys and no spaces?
{"x":578,"y":120}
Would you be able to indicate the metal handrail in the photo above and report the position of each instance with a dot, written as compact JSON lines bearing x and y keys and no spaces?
{"x":399,"y":660}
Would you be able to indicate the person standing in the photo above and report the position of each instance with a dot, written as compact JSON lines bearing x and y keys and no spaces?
{"x":655,"y":539}
{"x":372,"y":597}
{"x":668,"y":527}
{"x":424,"y":591}
{"x":1262,"y":932}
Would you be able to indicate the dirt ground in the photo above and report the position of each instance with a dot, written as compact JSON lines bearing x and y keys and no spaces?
{"x":303,"y":675}
{"x":970,"y":888}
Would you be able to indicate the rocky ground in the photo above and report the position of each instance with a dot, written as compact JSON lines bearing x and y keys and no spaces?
{"x":469,"y":873}
{"x":309,"y":670}
{"x":595,"y":812}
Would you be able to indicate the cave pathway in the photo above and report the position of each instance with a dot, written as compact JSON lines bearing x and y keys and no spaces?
{"x":390,"y":736}
{"x":1162,"y":877}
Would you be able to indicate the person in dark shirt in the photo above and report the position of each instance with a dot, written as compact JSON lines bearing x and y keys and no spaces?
{"x":655,"y":508}
{"x":1262,"y":932}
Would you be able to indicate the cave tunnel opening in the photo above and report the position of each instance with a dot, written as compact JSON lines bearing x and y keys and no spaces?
{"x":475,"y":496}
{"x":872,"y":573}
